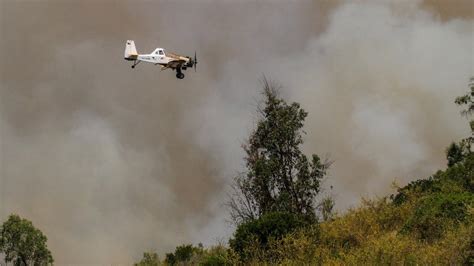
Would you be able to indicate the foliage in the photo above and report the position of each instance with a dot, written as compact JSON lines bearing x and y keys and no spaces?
{"x":270,"y":226}
{"x":170,"y":259}
{"x":461,"y":175}
{"x":213,"y":261}
{"x":415,"y":187}
{"x":455,"y":179}
{"x":427,"y":222}
{"x":182,"y":253}
{"x":470,"y":252}
{"x":218,"y":255}
{"x":326,"y":207}
{"x":149,"y":259}
{"x":368,"y":235}
{"x":435,"y":213}
{"x":467,"y":99}
{"x":198,"y":255}
{"x":456,"y":152}
{"x":279,"y":177}
{"x":22,"y":243}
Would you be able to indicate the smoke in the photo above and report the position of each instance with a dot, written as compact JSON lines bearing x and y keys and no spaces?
{"x":110,"y":162}
{"x":380,"y":93}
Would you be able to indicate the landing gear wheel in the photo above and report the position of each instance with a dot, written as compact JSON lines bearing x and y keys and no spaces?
{"x":135,"y":63}
{"x":180,"y":75}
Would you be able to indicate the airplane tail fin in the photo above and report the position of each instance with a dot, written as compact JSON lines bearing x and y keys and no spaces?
{"x":130,"y":50}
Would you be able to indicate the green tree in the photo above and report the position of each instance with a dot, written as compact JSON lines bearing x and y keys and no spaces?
{"x":183,"y":254}
{"x":279,"y":177}
{"x":457,"y":152}
{"x":23,"y":244}
{"x":149,"y":259}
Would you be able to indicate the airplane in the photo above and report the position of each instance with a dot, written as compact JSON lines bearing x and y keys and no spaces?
{"x":160,"y":57}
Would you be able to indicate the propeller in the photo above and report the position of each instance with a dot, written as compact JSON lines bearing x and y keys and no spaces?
{"x":195,"y":61}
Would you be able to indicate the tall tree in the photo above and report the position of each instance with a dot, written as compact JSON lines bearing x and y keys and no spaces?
{"x":279,"y":177}
{"x":23,"y":244}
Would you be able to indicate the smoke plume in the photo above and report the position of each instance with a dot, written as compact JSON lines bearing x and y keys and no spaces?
{"x":109,"y":162}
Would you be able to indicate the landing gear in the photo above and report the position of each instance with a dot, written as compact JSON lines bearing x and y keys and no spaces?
{"x":179,"y":74}
{"x":135,"y":63}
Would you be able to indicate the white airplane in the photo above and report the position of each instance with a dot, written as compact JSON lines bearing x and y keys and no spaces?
{"x":160,"y":57}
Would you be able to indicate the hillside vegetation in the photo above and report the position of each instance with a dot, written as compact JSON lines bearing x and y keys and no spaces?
{"x":427,"y":222}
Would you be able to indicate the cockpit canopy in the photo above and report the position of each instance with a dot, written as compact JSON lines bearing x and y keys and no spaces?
{"x":159,"y":51}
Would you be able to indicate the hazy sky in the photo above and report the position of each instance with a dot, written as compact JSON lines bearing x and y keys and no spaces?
{"x":110,"y":161}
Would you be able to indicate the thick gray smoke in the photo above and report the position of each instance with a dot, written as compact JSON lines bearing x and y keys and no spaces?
{"x":379,"y":85}
{"x":110,"y":161}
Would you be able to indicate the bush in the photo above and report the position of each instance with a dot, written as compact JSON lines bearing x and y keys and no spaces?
{"x":418,"y":187}
{"x":270,"y":226}
{"x":218,"y":255}
{"x":369,"y":235}
{"x":170,"y":259}
{"x":182,"y":253}
{"x":213,"y":260}
{"x":435,"y":213}
{"x":149,"y":259}
{"x":462,"y":174}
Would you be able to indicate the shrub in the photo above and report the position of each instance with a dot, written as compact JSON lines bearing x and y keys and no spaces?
{"x":435,"y":213}
{"x":418,"y":187}
{"x":182,"y":253}
{"x":149,"y":259}
{"x":463,"y":174}
{"x":260,"y":231}
{"x":213,"y":260}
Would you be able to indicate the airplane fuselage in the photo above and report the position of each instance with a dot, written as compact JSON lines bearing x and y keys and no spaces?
{"x":159,"y":57}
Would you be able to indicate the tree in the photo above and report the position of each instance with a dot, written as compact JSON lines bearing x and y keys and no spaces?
{"x":23,"y":244}
{"x":279,"y":177}
{"x":456,"y":152}
{"x":149,"y":259}
{"x":183,"y":254}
